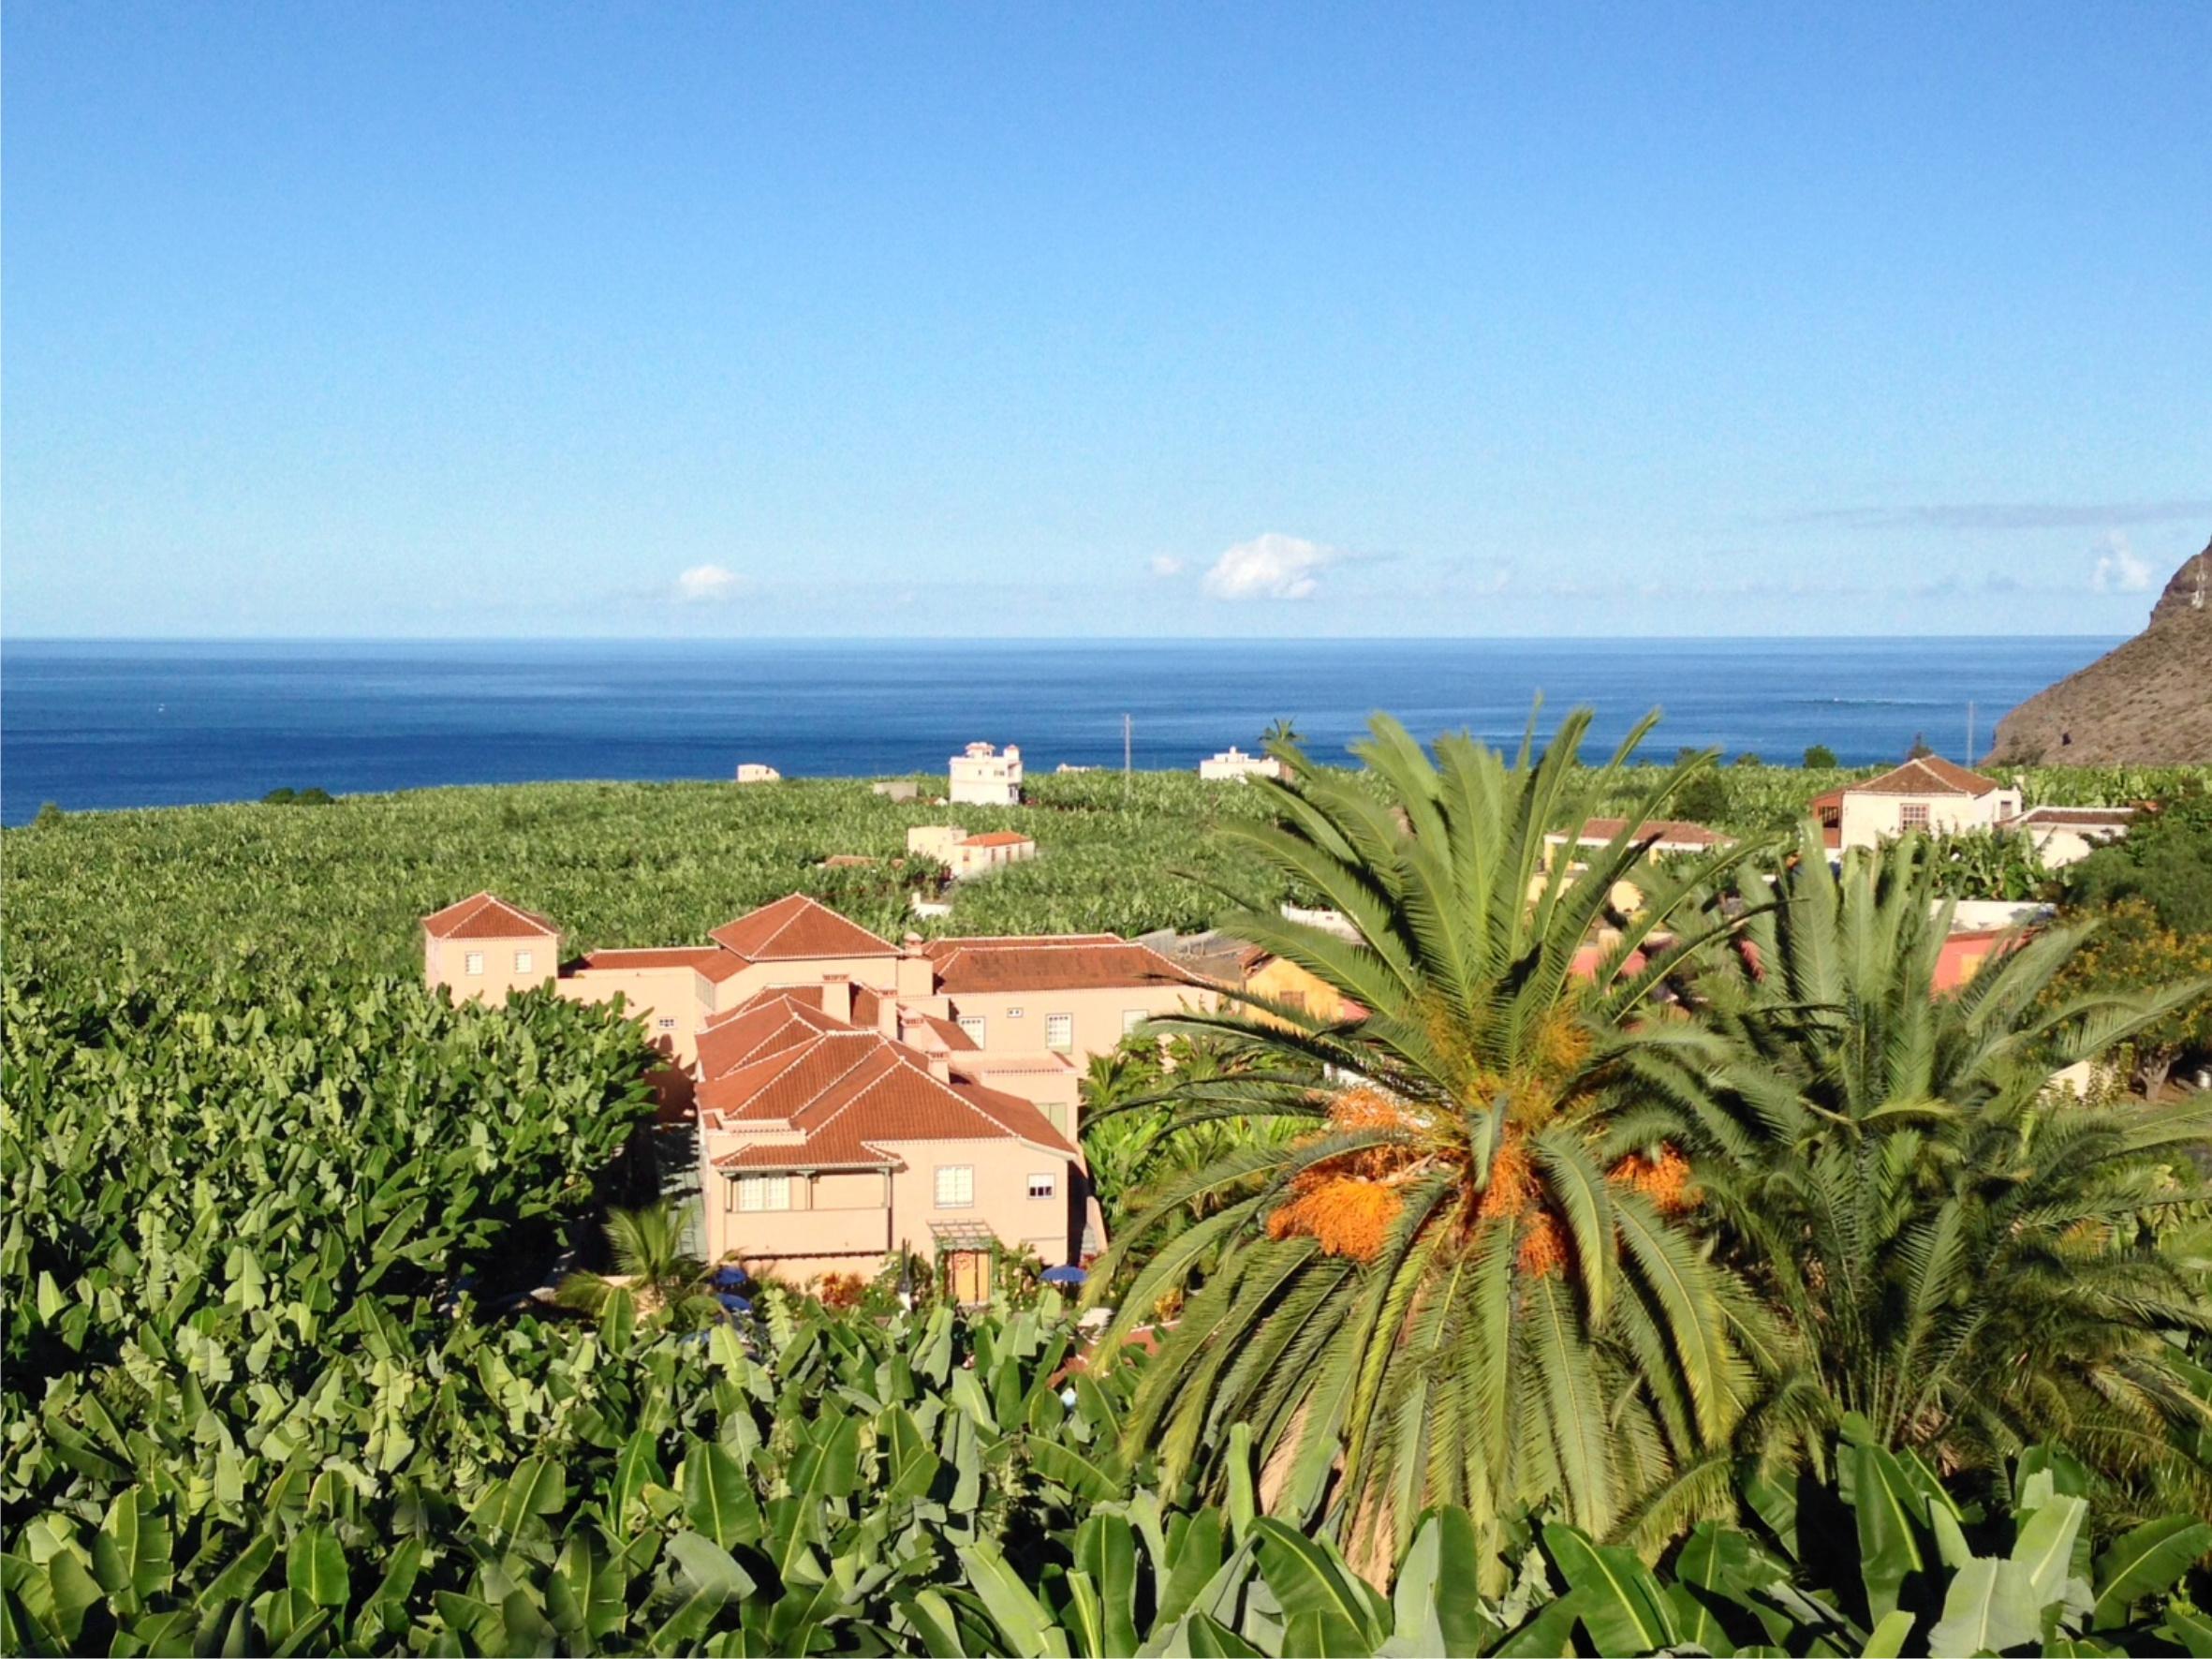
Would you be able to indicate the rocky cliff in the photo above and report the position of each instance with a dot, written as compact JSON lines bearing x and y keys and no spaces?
{"x":2149,"y":702}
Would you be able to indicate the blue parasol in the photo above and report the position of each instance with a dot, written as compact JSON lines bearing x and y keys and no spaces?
{"x":1064,"y":1276}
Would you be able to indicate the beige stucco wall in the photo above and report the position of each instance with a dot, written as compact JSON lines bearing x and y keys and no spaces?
{"x":1869,"y":820}
{"x":1002,"y":1201}
{"x":841,"y":1215}
{"x":877,"y":972}
{"x":445,"y":962}
{"x":832,"y":1213}
{"x":669,"y":1003}
{"x":1098,"y":1015}
{"x":1050,"y":1082}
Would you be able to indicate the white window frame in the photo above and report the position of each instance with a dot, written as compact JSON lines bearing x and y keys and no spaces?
{"x":958,"y":1180}
{"x":1013,"y":1014}
{"x":472,"y":963}
{"x":1049,"y":1181}
{"x":759,"y":1194}
{"x":1064,"y":1023}
{"x":973,"y":1025}
{"x":524,"y":962}
{"x":668,"y":1022}
{"x":1133,"y":1018}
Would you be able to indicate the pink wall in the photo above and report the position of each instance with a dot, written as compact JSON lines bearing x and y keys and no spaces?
{"x":847,"y":1219}
{"x":1097,"y":1026}
{"x":678,"y":994}
{"x":877,"y":972}
{"x":1002,"y":1203}
{"x":446,"y":962}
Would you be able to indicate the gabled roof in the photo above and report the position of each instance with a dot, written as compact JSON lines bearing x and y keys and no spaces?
{"x":1665,"y":832}
{"x":485,"y":915}
{"x":797,"y":928}
{"x":1928,"y":774}
{"x":1074,"y":961}
{"x":763,"y":1024}
{"x":851,"y":1095}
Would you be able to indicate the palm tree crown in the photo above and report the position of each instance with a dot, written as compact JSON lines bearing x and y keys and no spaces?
{"x":1460,"y":1283}
{"x":1968,"y":1259}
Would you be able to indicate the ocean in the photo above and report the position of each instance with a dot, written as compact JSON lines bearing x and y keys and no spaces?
{"x":145,"y":724}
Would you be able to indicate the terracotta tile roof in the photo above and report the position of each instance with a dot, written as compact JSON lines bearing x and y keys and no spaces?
{"x":697,"y":957}
{"x":955,"y":1039}
{"x":788,"y":1081}
{"x":797,"y":928}
{"x":1673,"y":832}
{"x":1930,"y":775}
{"x":2074,"y":817}
{"x":1078,"y":961}
{"x":761,"y":1024}
{"x":997,"y":838}
{"x":868,"y":1094}
{"x":485,"y":915}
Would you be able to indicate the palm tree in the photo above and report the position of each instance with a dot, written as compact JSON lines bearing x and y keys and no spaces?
{"x":654,"y":1273}
{"x":1457,"y":1284}
{"x":1964,"y":1258}
{"x":1281,"y":730}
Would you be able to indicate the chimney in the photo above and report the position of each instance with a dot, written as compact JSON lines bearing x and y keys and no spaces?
{"x":837,"y":997}
{"x":940,"y":1066}
{"x":887,"y":1015}
{"x":917,"y":973}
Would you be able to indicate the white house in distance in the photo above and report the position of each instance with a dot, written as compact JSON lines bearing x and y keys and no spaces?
{"x":754,"y":772}
{"x":983,"y":775}
{"x":1929,"y":794}
{"x":967,"y":855}
{"x":1233,"y":762}
{"x":2065,"y":834}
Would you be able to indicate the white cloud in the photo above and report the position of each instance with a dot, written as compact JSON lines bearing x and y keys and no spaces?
{"x":1270,"y":566}
{"x":2118,"y":570}
{"x":1164,"y":565}
{"x":707,"y":585}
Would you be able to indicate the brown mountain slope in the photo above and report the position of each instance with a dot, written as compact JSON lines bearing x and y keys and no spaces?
{"x":2149,"y":702}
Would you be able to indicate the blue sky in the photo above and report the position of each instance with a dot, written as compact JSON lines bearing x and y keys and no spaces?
{"x":1480,"y":319}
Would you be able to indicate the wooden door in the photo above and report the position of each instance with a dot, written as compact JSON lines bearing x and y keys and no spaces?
{"x":969,"y":1273}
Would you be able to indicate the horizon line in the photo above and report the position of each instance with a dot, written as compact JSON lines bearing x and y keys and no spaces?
{"x":664,"y":641}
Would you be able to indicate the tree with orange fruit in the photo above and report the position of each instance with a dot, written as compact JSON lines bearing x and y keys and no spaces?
{"x":1473,"y":1278}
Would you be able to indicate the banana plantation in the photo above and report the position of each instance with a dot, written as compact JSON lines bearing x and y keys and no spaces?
{"x":1723,"y":1289}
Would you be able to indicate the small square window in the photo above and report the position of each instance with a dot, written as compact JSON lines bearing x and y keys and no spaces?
{"x":523,"y":961}
{"x":1044,"y":1186}
{"x":1913,"y":815}
{"x":1131,"y":1018}
{"x":667,"y":1024}
{"x":973,"y":1025}
{"x":1013,"y":1014}
{"x":473,"y":962}
{"x":955,"y":1186}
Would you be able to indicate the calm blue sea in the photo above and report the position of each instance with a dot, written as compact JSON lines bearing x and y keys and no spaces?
{"x":139,"y":724}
